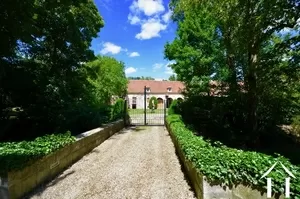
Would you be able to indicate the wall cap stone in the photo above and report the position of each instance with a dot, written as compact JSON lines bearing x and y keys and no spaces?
{"x":47,"y":167}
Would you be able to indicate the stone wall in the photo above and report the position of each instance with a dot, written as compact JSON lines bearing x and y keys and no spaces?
{"x":205,"y":190}
{"x":18,"y":183}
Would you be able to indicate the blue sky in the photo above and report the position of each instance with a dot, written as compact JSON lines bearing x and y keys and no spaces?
{"x":135,"y":32}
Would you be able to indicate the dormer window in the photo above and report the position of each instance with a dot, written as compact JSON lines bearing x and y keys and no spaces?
{"x":169,"y":89}
{"x":147,"y":89}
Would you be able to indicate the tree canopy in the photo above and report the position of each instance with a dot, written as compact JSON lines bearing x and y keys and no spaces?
{"x":45,"y":82}
{"x":249,"y":47}
{"x":108,"y":78}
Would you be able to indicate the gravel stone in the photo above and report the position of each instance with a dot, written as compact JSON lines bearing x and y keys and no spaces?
{"x":135,"y":163}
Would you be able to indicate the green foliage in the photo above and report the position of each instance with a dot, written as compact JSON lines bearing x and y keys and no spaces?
{"x":48,"y":69}
{"x":256,"y":67}
{"x":16,"y":155}
{"x":107,"y":75}
{"x":174,"y":107}
{"x":296,"y":125}
{"x":41,"y":64}
{"x":118,"y":110}
{"x":83,"y":117}
{"x":173,"y":78}
{"x":153,"y":103}
{"x":220,"y":163}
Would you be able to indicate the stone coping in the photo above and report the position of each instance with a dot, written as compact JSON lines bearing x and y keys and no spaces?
{"x":18,"y":183}
{"x":205,"y":190}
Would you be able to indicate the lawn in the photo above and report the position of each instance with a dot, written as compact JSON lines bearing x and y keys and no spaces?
{"x":148,"y":111}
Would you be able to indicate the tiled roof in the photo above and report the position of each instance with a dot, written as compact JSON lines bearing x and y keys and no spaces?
{"x":160,"y":87}
{"x":137,"y":86}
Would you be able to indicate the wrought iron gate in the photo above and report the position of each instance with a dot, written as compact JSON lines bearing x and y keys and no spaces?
{"x":140,"y":113}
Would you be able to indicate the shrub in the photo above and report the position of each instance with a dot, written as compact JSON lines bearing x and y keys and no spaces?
{"x":17,"y":155}
{"x":153,"y":103}
{"x":85,"y":117}
{"x":118,"y":110}
{"x":220,"y":163}
{"x":174,"y":108}
{"x":296,"y":125}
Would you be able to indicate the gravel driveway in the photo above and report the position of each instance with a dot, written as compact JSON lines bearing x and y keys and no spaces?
{"x":135,"y":163}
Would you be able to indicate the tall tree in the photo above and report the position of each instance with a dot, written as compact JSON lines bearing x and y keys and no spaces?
{"x":195,"y":46}
{"x":44,"y":45}
{"x":234,"y":40}
{"x":108,"y":77}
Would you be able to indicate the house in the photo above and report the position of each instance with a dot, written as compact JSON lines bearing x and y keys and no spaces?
{"x":166,"y":90}
{"x":162,"y":90}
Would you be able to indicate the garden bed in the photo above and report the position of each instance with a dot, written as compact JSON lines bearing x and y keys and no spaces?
{"x":217,"y":171}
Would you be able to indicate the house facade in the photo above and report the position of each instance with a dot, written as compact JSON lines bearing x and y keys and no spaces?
{"x":162,"y":90}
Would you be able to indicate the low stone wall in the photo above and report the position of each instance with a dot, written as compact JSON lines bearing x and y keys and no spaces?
{"x":205,"y":190}
{"x":18,"y":183}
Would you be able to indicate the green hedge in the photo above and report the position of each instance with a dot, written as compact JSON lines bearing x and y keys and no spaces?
{"x":232,"y":166}
{"x":174,"y":107}
{"x":153,"y":103}
{"x":118,"y":110}
{"x":16,"y":155}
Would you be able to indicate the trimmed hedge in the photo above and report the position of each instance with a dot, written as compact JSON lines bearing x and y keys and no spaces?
{"x":17,"y":155}
{"x":230,"y":166}
{"x":174,"y":107}
{"x":153,"y":103}
{"x":118,"y":110}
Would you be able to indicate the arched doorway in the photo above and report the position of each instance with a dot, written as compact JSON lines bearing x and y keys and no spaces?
{"x":179,"y":99}
{"x":169,"y":101}
{"x":160,"y":103}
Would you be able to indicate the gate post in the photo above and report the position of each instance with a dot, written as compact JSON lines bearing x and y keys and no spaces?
{"x":145,"y":106}
{"x":125,"y":113}
{"x":165,"y":111}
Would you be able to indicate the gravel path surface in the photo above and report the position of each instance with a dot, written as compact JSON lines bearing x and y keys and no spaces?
{"x":135,"y":163}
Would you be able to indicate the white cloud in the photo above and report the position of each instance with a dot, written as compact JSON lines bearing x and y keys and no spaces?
{"x":168,"y":69}
{"x":150,"y":29}
{"x":159,"y":79}
{"x":133,"y":19}
{"x":166,"y":17}
{"x":130,"y":70}
{"x":134,"y":54}
{"x":110,"y":48}
{"x":151,"y":16}
{"x":148,"y":7}
{"x":157,"y":66}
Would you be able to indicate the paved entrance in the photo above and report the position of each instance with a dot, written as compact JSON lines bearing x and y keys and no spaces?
{"x":135,"y":163}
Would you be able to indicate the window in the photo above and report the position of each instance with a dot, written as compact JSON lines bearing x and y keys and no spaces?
{"x":133,"y":100}
{"x":148,"y":89}
{"x":148,"y":99}
{"x":169,"y":89}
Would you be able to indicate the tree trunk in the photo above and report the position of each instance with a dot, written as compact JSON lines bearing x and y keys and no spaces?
{"x":230,"y":61}
{"x":251,"y":78}
{"x":252,"y":96}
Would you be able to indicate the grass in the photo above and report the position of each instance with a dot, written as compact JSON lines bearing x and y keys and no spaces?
{"x":148,"y":111}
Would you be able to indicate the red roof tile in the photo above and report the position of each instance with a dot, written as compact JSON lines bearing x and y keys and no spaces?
{"x":160,"y":87}
{"x":137,"y":86}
